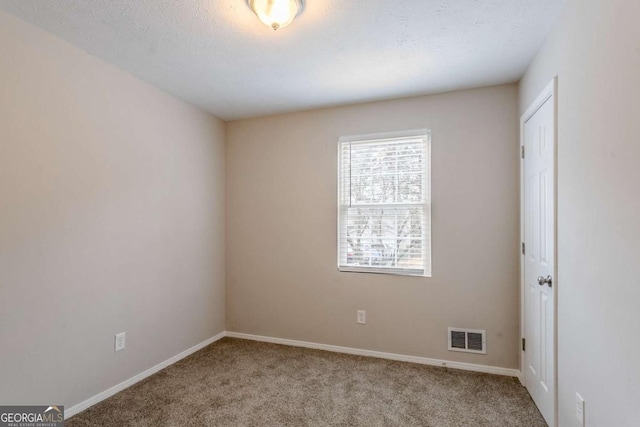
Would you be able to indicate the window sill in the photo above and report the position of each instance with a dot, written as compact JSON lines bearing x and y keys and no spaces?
{"x":391,"y":271}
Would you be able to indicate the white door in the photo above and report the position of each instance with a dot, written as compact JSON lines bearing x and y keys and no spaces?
{"x":538,"y":134}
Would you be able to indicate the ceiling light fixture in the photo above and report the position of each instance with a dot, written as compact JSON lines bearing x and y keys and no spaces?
{"x":276,"y":13}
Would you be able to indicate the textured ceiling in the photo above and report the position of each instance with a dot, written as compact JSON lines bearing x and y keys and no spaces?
{"x":218,"y":56}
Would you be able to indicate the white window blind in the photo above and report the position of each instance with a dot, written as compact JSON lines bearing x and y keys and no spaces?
{"x":384,"y":223}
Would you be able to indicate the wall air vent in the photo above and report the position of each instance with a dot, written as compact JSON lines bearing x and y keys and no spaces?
{"x":468,"y":340}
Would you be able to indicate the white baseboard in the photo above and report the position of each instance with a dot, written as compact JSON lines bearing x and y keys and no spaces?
{"x":295,"y":343}
{"x":381,"y":355}
{"x":131,"y":381}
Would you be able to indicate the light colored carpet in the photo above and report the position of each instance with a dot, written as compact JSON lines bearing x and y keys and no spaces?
{"x":244,"y":383}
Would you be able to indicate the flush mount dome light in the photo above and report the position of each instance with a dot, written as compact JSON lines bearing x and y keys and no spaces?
{"x":276,"y":13}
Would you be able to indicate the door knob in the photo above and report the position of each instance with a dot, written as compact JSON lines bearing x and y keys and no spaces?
{"x":542,"y":280}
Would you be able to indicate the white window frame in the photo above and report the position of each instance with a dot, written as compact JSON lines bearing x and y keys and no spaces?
{"x":426,"y":230}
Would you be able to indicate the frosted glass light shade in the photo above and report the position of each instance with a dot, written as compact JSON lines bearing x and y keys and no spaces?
{"x":276,"y":13}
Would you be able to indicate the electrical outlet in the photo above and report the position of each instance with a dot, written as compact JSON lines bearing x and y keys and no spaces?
{"x":120,"y":341}
{"x":580,"y":409}
{"x":362,"y":317}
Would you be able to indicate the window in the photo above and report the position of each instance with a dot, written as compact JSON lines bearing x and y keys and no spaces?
{"x":384,"y":223}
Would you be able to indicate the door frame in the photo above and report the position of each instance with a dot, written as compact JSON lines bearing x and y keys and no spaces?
{"x":550,"y":91}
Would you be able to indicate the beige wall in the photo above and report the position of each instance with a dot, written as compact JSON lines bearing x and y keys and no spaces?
{"x":111,"y":219}
{"x":595,"y":51}
{"x":281,"y":229}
